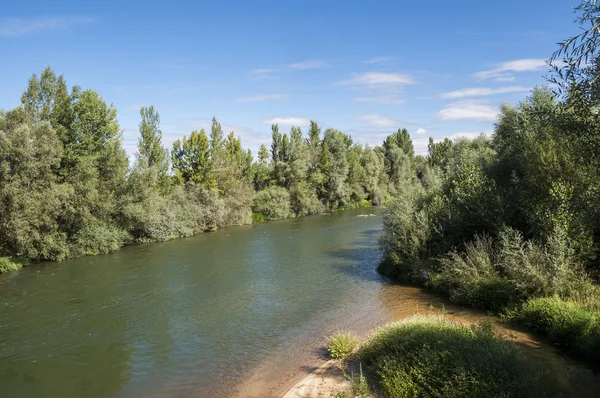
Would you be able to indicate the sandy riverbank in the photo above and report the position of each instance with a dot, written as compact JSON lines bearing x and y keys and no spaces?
{"x":314,"y":376}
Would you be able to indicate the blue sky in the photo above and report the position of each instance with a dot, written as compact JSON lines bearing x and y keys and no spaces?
{"x":438,"y":68}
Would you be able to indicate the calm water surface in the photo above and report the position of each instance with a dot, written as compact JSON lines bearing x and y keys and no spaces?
{"x":188,"y":317}
{"x":239,"y":312}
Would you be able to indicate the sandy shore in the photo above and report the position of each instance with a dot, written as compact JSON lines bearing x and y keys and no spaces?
{"x":308,"y":373}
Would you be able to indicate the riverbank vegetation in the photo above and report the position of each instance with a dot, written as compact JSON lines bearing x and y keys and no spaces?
{"x":67,"y":188}
{"x":431,"y":356}
{"x":510,"y":222}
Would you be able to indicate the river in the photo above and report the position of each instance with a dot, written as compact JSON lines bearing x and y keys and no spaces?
{"x":239,"y":311}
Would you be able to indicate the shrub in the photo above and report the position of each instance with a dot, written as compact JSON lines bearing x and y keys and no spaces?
{"x":471,"y":277}
{"x":7,"y":264}
{"x":540,"y":268}
{"x":98,"y":237}
{"x":304,"y":200}
{"x":258,"y":218}
{"x":341,"y":344}
{"x":273,"y":203}
{"x":430,"y":356}
{"x":565,"y":323}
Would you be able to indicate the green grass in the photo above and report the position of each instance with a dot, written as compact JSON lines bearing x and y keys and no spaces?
{"x":258,"y":217}
{"x":7,"y":264}
{"x":569,"y":324}
{"x":341,"y":344}
{"x":432,"y":357}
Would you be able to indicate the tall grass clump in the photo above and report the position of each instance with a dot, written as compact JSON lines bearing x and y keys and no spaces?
{"x":566,"y":323}
{"x":502,"y":274}
{"x":7,"y":264}
{"x":341,"y":344}
{"x":431,"y":356}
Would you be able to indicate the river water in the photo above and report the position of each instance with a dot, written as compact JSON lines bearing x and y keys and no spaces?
{"x":241,"y":311}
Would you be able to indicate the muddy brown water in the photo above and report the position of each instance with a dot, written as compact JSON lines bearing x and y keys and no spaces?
{"x":239,"y":312}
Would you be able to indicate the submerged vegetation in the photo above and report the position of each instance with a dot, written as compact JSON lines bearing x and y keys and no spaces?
{"x":67,"y":188}
{"x":510,"y":222}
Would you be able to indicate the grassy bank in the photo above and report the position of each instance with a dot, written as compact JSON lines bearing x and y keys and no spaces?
{"x":431,"y":356}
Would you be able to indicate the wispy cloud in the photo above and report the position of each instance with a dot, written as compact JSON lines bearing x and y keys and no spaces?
{"x":382,"y":99}
{"x":288,"y":121}
{"x":379,"y":120}
{"x":265,"y":73}
{"x":378,"y":60}
{"x":483,"y":91}
{"x":378,"y":79}
{"x":468,"y":110}
{"x":502,"y":72}
{"x":379,"y":87}
{"x":420,"y":131}
{"x":15,"y":27}
{"x":309,"y":64}
{"x":262,"y":98}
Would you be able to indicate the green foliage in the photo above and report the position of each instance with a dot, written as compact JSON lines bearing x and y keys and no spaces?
{"x":566,"y":323}
{"x":149,"y":143}
{"x":341,"y":344}
{"x":273,"y":203}
{"x":97,"y":237}
{"x":7,"y":265}
{"x":428,"y":356}
{"x":258,"y":218}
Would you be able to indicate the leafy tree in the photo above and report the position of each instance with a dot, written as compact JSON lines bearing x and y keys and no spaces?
{"x":191,"y":158}
{"x":149,"y":143}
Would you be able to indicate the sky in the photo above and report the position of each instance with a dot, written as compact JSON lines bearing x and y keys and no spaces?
{"x":437,"y":68}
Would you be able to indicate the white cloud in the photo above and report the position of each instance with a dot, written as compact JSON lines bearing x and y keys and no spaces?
{"x":378,"y":60}
{"x":378,"y":79}
{"x":379,"y":120}
{"x":470,"y":110}
{"x":266,"y":97}
{"x":379,"y":87}
{"x":483,"y":91}
{"x":309,"y":64}
{"x":14,"y":27}
{"x":288,"y":121}
{"x":421,"y":131}
{"x":518,"y":65}
{"x":265,"y":73}
{"x":382,"y":99}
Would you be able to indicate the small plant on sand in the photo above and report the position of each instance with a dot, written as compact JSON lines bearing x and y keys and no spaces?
{"x":358,"y":387}
{"x":340,"y":344}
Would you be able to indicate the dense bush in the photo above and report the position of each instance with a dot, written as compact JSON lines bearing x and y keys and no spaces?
{"x":273,"y":203}
{"x":566,"y":323}
{"x":428,"y":356}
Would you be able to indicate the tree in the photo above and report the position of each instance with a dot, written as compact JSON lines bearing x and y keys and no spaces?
{"x":149,"y":143}
{"x":191,"y":158}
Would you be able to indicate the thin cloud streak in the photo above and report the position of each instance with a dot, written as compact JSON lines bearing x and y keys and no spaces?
{"x":483,"y":91}
{"x":309,"y":64}
{"x":378,"y":79}
{"x":502,"y":72}
{"x":16,"y":27}
{"x":379,"y":120}
{"x":262,"y":98}
{"x":468,"y":110}
{"x":288,"y":121}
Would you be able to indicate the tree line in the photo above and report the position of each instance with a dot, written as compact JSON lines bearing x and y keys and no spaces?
{"x":67,"y":188}
{"x":511,"y":222}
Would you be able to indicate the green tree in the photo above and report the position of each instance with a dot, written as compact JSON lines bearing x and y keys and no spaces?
{"x":150,"y":141}
{"x":191,"y":158}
